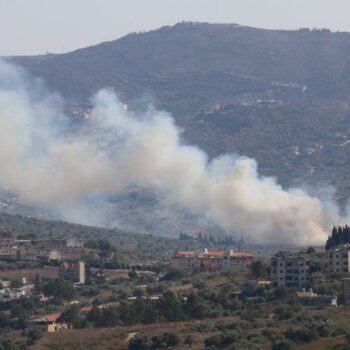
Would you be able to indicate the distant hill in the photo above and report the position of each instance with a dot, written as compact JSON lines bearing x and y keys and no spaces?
{"x":281,"y":97}
{"x":34,"y":228}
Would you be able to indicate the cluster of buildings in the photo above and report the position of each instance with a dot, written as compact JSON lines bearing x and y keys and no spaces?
{"x":292,"y":269}
{"x":9,"y":293}
{"x":48,"y":249}
{"x":287,"y":269}
{"x":211,"y":260}
{"x":74,"y":270}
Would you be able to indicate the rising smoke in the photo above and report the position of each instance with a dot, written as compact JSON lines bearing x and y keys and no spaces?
{"x":45,"y":163}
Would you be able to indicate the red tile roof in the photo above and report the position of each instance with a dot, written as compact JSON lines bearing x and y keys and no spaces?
{"x":264,"y":282}
{"x":52,"y":317}
{"x":86,"y":308}
{"x":185,"y":253}
{"x":241,"y":255}
{"x":214,"y":253}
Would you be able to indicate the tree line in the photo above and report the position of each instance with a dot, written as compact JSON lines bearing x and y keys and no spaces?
{"x":340,"y":235}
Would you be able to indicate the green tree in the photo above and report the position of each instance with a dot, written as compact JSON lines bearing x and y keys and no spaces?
{"x":259,"y":269}
{"x":72,"y":316}
{"x":4,"y":321}
{"x":188,"y":341}
{"x":194,"y":307}
{"x":59,"y":288}
{"x":282,"y":345}
{"x":33,"y":336}
{"x":170,"y":307}
{"x":16,"y":283}
{"x":174,"y":274}
{"x":138,"y":343}
{"x":18,"y":311}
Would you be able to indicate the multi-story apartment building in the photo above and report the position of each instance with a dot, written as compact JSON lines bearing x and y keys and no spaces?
{"x":211,"y":260}
{"x":238,"y":260}
{"x":184,"y":260}
{"x":290,"y":270}
{"x":338,"y":259}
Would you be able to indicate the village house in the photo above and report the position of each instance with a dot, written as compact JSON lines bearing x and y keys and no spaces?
{"x":338,"y":259}
{"x":51,"y":255}
{"x":311,"y":299}
{"x":10,"y":294}
{"x":76,"y":270}
{"x":73,"y":242}
{"x":49,"y":323}
{"x":289,"y":270}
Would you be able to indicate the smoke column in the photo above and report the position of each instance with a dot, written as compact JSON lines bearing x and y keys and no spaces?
{"x":44,"y":163}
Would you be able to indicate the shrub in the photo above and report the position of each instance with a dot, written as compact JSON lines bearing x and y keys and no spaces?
{"x":301,"y":335}
{"x":282,"y":345}
{"x":174,"y":274}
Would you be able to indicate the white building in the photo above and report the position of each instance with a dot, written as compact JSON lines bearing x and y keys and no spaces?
{"x":9,"y":294}
{"x":311,"y":299}
{"x":54,"y":255}
{"x":73,"y":242}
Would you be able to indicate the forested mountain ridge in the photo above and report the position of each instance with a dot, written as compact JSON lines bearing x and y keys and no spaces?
{"x":281,"y":97}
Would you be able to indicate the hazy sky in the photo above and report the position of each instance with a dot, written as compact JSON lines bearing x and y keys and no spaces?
{"x":38,"y":26}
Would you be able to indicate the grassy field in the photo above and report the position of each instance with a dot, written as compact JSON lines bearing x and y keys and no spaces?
{"x":46,"y":272}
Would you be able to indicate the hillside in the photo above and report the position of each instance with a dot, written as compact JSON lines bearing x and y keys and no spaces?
{"x":205,"y":62}
{"x":278,"y":96}
{"x":124,"y":241}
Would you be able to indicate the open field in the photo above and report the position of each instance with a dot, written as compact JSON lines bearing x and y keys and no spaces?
{"x":46,"y":272}
{"x":118,"y":337}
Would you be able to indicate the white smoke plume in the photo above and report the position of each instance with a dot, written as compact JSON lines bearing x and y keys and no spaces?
{"x":44,"y":163}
